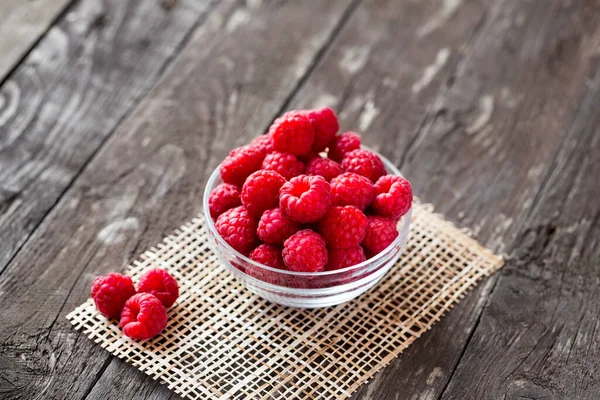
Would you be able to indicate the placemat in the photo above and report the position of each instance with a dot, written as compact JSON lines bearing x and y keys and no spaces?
{"x":223,"y":342}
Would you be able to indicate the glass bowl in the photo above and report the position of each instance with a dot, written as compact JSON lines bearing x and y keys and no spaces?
{"x":305,"y":289}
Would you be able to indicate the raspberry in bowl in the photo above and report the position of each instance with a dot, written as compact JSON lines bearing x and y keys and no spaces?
{"x":333,"y":229}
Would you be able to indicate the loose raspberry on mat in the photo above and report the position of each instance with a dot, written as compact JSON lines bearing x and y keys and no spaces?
{"x":342,"y":258}
{"x":261,"y":191}
{"x":343,"y":227}
{"x":263,"y":144}
{"x":292,"y":133}
{"x":305,"y":251}
{"x":285,"y":164}
{"x":365,"y":163}
{"x":268,"y":255}
{"x":344,"y":143}
{"x":161,"y":284}
{"x":325,"y":123}
{"x":305,"y":198}
{"x":393,"y":196}
{"x":238,"y":229}
{"x":143,"y":317}
{"x":111,"y":292}
{"x":381,"y":232}
{"x":324,"y":167}
{"x":275,"y":227}
{"x":240,"y":163}
{"x":222,"y":198}
{"x":350,"y":189}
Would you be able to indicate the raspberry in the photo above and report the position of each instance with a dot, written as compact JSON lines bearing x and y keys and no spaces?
{"x":342,"y":258}
{"x":305,"y":251}
{"x":293,"y":133}
{"x":343,"y":227}
{"x":364,"y":163}
{"x":344,"y":143}
{"x":240,"y":163}
{"x":269,"y":255}
{"x":305,"y":198}
{"x":143,"y":317}
{"x":263,"y":144}
{"x":161,"y":284}
{"x":285,"y":164}
{"x":324,"y":167}
{"x":238,"y":229}
{"x":351,"y":189}
{"x":381,"y":232}
{"x":393,"y":196}
{"x":325,"y":123}
{"x":222,"y":198}
{"x":274,"y":227}
{"x":261,"y":191}
{"x":111,"y":292}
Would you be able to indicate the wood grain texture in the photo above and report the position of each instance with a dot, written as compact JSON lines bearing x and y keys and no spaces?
{"x":226,"y":87}
{"x":67,"y":97}
{"x":537,"y":337}
{"x":476,"y":136}
{"x":22,"y":23}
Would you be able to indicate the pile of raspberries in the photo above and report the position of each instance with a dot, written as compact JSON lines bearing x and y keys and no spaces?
{"x":143,"y":314}
{"x":286,"y":204}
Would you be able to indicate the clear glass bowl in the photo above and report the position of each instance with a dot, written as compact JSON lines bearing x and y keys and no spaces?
{"x":305,"y":289}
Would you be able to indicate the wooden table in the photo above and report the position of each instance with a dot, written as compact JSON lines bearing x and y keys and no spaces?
{"x":113,"y":113}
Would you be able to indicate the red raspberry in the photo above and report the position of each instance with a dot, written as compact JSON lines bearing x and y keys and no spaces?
{"x":342,"y":258}
{"x":222,"y":198}
{"x":343,"y":227}
{"x":305,"y":198}
{"x":285,"y":164}
{"x":364,"y":163}
{"x":324,"y":167}
{"x":240,"y":163}
{"x":261,"y":191}
{"x":143,"y":317}
{"x":161,"y":284}
{"x":274,"y":227}
{"x":293,"y":133}
{"x":325,"y":123}
{"x":238,"y":229}
{"x":269,"y":255}
{"x":344,"y":143}
{"x":305,"y":251}
{"x":263,"y":144}
{"x":111,"y":292}
{"x":393,"y":196}
{"x":381,"y":232}
{"x":351,"y":189}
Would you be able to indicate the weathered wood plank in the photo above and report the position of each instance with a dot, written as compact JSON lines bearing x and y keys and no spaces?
{"x":537,"y":337}
{"x":68,"y":95}
{"x":148,"y":179}
{"x":493,"y":135}
{"x":480,"y":149}
{"x":22,"y":23}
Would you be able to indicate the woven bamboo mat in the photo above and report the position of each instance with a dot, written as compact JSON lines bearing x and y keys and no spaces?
{"x":223,"y":342}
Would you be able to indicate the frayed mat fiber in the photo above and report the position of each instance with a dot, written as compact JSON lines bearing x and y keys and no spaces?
{"x":223,"y":342}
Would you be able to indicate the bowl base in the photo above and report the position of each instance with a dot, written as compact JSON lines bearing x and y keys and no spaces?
{"x":319,"y":298}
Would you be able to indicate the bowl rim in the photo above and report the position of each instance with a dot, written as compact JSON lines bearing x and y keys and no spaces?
{"x":403,"y":232}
